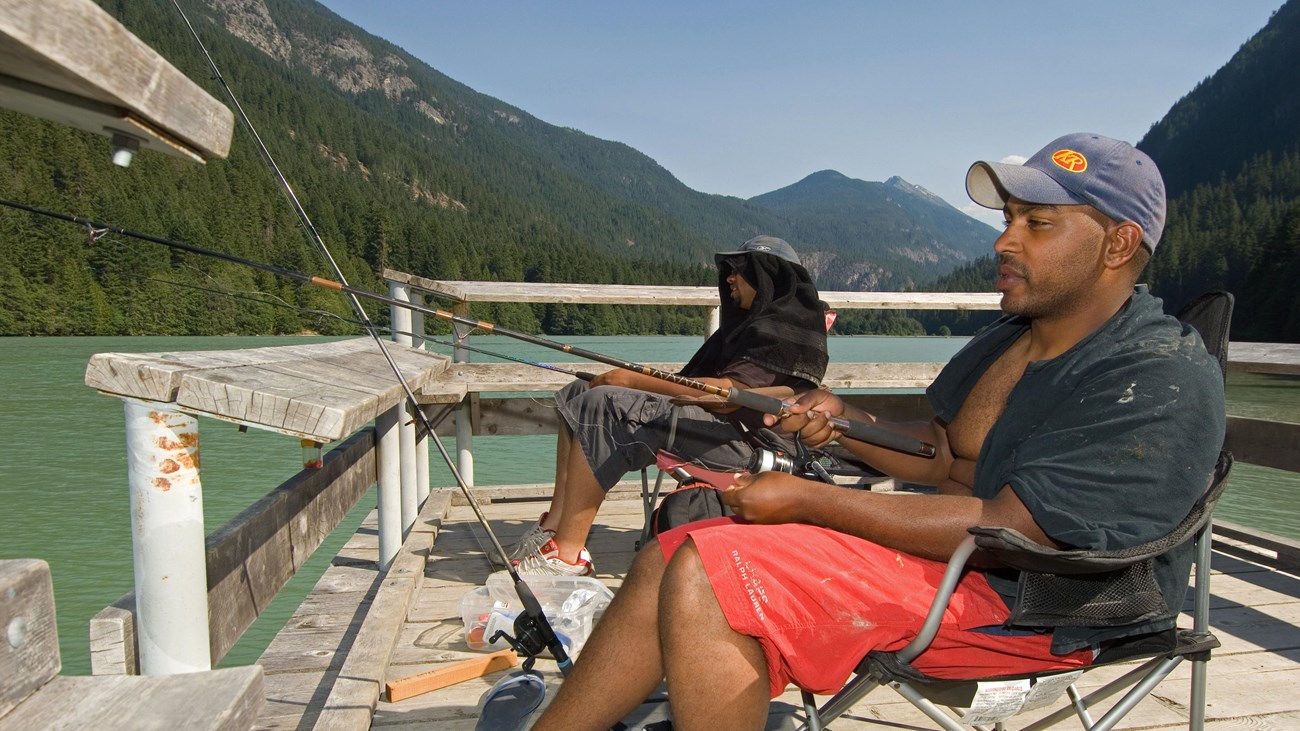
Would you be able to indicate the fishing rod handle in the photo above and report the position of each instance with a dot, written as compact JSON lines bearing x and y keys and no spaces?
{"x":882,"y":437}
{"x":861,"y":431}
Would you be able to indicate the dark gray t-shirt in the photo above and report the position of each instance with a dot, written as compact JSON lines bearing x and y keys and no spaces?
{"x":1108,"y":445}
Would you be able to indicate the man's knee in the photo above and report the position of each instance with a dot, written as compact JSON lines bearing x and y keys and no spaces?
{"x":685,"y":587}
{"x":648,"y":564}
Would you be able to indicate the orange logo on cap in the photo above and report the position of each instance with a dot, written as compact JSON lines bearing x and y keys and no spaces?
{"x":1070,"y":160}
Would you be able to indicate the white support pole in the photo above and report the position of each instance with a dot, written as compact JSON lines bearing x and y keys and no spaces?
{"x":407,"y":469}
{"x":422,"y":466}
{"x":715,"y":321}
{"x":464,"y":425}
{"x":167,"y":539}
{"x":388,"y":464}
{"x":417,"y":321}
{"x":421,"y":443}
{"x":398,"y":315}
{"x":402,"y":320}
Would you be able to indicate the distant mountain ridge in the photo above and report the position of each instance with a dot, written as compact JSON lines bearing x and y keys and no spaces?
{"x":896,"y":225}
{"x":916,"y":243}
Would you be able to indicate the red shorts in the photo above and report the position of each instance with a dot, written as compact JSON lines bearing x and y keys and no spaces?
{"x":817,"y":601}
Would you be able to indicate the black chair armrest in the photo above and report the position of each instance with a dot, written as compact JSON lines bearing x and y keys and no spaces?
{"x":1013,"y":550}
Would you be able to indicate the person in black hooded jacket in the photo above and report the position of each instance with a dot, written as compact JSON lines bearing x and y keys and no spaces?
{"x":772,"y":333}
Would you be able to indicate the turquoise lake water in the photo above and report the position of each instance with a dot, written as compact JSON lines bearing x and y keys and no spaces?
{"x":63,"y":495}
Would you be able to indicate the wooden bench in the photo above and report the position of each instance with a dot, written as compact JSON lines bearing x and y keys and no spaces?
{"x":34,"y":696}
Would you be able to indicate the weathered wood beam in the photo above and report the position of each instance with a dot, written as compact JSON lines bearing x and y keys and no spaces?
{"x":1257,"y":545}
{"x":34,"y":696}
{"x":1278,"y":358}
{"x":1264,"y":443}
{"x":71,"y":62}
{"x":319,"y":391}
{"x":636,"y":294}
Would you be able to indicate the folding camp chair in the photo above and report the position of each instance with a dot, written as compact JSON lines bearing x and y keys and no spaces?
{"x":1101,"y":588}
{"x":1068,"y":588}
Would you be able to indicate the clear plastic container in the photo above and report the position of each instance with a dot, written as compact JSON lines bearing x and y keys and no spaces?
{"x":572,"y":604}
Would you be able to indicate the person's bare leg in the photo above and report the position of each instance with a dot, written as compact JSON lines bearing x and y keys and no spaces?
{"x":717,"y":677}
{"x":619,"y":666}
{"x":563,"y":443}
{"x":583,"y":496}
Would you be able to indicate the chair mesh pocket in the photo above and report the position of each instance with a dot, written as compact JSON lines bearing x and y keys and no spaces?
{"x":1108,"y":599}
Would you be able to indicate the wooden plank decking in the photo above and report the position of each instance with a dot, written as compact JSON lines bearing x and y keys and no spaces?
{"x":1256,"y":614}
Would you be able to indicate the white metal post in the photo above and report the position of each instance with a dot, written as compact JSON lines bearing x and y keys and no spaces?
{"x":167,"y":539}
{"x":715,"y":321}
{"x":401,"y":319}
{"x":422,"y":466}
{"x":421,"y":442}
{"x":388,"y":465}
{"x":407,"y":470}
{"x":464,"y":425}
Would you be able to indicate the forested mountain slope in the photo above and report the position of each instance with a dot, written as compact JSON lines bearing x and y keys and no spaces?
{"x":397,"y":164}
{"x":1230,"y":153}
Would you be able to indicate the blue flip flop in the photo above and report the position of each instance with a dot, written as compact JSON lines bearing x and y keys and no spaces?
{"x":508,"y":704}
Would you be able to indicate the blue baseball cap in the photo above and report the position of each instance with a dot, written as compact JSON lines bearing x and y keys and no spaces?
{"x":765,"y":244}
{"x":1112,"y":176}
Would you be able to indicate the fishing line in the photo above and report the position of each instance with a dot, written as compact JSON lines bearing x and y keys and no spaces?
{"x":532,"y":626}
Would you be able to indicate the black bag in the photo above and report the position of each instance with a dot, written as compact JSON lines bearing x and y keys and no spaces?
{"x":691,"y":502}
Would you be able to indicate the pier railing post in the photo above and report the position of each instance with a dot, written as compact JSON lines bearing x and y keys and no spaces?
{"x":388,"y":465}
{"x":167,"y":539}
{"x":421,"y":440}
{"x":402,"y":334}
{"x":464,"y":412}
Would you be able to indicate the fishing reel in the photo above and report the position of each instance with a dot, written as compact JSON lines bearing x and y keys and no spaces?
{"x":803,"y":462}
{"x":770,"y":460}
{"x":528,"y":640}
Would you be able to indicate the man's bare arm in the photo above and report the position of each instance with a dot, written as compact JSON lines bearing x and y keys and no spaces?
{"x":929,"y":526}
{"x":808,"y":418}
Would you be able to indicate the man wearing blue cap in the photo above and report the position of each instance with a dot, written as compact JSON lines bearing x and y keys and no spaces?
{"x":1085,"y":417}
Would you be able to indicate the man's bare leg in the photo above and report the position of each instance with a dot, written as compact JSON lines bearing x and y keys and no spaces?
{"x":717,"y":677}
{"x":620,"y":664}
{"x":582,"y":497}
{"x":563,"y":443}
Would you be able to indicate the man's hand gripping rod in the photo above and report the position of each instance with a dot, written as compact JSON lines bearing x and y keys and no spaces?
{"x":858,"y":430}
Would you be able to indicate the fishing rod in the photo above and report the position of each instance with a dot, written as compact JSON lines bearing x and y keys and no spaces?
{"x":558,"y":369}
{"x":584,"y":375}
{"x":532,"y":629}
{"x":860,"y":431}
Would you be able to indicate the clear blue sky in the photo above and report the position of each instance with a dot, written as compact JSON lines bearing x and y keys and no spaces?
{"x":741,"y":98}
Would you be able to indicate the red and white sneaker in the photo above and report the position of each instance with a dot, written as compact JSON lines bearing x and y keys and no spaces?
{"x":532,"y":539}
{"x":546,"y":561}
